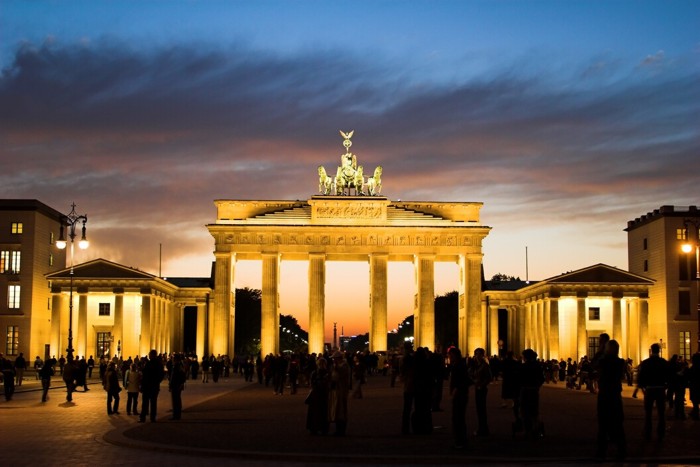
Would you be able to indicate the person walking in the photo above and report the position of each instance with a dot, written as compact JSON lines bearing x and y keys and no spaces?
{"x":176,"y":385}
{"x":611,"y":371}
{"x":459,"y":393}
{"x":653,"y":379}
{"x":480,"y":373}
{"x":111,"y":385}
{"x":152,"y":376}
{"x":69,"y":371}
{"x":45,"y":374}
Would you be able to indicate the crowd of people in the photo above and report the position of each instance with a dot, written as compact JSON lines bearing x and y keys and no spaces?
{"x":333,"y":377}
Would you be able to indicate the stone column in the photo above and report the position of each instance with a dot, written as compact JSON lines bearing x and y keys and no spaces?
{"x":145,"y":339}
{"x":201,"y":329}
{"x":581,"y":336}
{"x":317,"y":302}
{"x":471,"y":284}
{"x":81,"y":346}
{"x":378,"y":302}
{"x":644,"y":343}
{"x":528,"y":326}
{"x":543,"y":331}
{"x":55,"y":342}
{"x":155,"y":324}
{"x":269,"y":333}
{"x":617,"y":317}
{"x":220,"y":327}
{"x":554,"y":327}
{"x":462,"y":325}
{"x":424,"y":326}
{"x":493,"y":329}
{"x":118,"y":327}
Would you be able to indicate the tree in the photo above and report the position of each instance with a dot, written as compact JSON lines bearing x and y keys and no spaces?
{"x":248,"y":321}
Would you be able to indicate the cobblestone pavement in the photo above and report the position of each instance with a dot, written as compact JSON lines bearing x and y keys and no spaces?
{"x":238,"y":423}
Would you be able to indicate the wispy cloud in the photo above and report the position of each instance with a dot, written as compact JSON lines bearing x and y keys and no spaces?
{"x":146,"y":139}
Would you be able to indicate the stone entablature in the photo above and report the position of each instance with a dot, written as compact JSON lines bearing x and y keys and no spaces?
{"x":348,"y":228}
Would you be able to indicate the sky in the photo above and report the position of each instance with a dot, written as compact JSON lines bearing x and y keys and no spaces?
{"x":565,"y":118}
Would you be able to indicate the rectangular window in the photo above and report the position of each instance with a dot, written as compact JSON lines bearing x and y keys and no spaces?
{"x":50,"y":259}
{"x":646,"y":265}
{"x":17,"y":228}
{"x":12,"y":342}
{"x":104,"y":340}
{"x":10,"y":261}
{"x":104,"y":309}
{"x":592,"y":346}
{"x":13,"y":297}
{"x":594,"y":314}
{"x":684,"y":344}
{"x":645,"y":243}
{"x":683,"y":302}
{"x":681,"y":234}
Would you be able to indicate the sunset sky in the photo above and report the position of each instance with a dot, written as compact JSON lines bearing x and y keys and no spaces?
{"x":566,"y":119}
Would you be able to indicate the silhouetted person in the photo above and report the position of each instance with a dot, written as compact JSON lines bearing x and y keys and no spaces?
{"x":111,"y":385}
{"x":530,"y":379}
{"x":480,"y":373}
{"x":45,"y":374}
{"x":423,"y":383}
{"x":176,"y":385}
{"x":459,"y":394}
{"x":70,"y":370}
{"x":317,"y":400}
{"x":150,"y":386}
{"x":653,"y":379}
{"x":338,"y":394}
{"x":407,"y":370}
{"x":694,"y":385}
{"x":611,"y":372}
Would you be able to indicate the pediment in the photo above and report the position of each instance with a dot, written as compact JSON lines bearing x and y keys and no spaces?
{"x":599,"y":274}
{"x":100,"y":269}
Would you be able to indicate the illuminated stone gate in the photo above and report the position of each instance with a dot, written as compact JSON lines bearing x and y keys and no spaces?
{"x":345,"y":225}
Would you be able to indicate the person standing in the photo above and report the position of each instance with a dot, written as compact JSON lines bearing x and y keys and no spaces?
{"x":176,"y":385}
{"x":8,"y":376}
{"x":653,"y":379}
{"x":38,"y":364}
{"x":20,"y":366}
{"x":611,"y":371}
{"x":407,"y":370}
{"x":45,"y":374}
{"x":317,"y":400}
{"x":111,"y":385}
{"x":91,"y":366}
{"x":133,"y":383}
{"x":459,"y":393}
{"x":480,"y":373}
{"x":530,"y":379}
{"x":694,"y":385}
{"x":338,"y":394}
{"x":152,"y":376}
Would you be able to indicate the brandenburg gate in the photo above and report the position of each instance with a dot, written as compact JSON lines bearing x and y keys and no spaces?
{"x":348,"y":221}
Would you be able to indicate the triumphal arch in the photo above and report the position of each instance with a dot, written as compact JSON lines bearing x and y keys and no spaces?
{"x":348,"y":221}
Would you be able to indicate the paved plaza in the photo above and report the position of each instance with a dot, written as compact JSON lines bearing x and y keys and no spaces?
{"x":237,"y":423}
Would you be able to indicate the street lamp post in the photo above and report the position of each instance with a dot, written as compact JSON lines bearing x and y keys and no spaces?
{"x":70,"y":221}
{"x":693,"y":243}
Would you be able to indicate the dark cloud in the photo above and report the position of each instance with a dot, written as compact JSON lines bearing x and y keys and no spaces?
{"x":149,"y":138}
